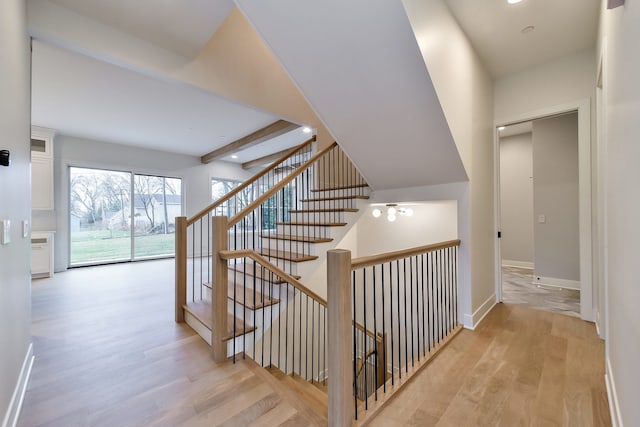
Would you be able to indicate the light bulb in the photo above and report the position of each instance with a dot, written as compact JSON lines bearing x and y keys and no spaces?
{"x":391,"y":218}
{"x":408,"y":212}
{"x":391,"y":211}
{"x":376,"y":213}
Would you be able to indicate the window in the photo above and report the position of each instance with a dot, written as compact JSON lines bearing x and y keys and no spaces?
{"x":107,"y":224}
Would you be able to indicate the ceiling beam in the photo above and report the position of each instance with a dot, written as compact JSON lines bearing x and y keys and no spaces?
{"x":271,"y":157}
{"x":273,"y":130}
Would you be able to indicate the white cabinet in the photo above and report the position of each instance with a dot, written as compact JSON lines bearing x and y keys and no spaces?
{"x":41,"y":254}
{"x":41,"y":168}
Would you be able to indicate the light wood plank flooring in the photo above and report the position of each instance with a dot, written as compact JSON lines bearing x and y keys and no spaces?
{"x":108,"y":353}
{"x":518,"y":288}
{"x":521,"y":367}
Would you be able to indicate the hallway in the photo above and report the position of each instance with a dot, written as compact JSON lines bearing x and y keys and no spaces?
{"x":518,"y":288}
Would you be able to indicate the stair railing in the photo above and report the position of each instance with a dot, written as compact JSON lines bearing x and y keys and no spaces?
{"x":408,"y":296}
{"x":292,"y":321}
{"x":264,"y":240}
{"x":275,"y":223}
{"x":193,"y":235}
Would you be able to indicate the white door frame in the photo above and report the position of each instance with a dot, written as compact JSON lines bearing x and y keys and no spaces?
{"x":583,"y":107}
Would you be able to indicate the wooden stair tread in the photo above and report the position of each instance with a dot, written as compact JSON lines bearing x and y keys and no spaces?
{"x":249,"y":270}
{"x":261,"y":300}
{"x":286,"y":255}
{"x":240,"y":294}
{"x":324,"y":210}
{"x":342,"y":187}
{"x":322,"y":199}
{"x":202,"y":311}
{"x":315,"y":224}
{"x":289,"y":237}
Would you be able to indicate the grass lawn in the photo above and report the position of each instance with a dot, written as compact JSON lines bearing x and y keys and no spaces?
{"x":104,"y":245}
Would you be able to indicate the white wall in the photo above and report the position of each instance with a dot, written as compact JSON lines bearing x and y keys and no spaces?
{"x":465,"y":91}
{"x":555,"y":195}
{"x":458,"y":192}
{"x":516,"y":199}
{"x":619,"y":36}
{"x":15,"y":204}
{"x":432,"y":222}
{"x":555,"y":83}
{"x":80,"y":152}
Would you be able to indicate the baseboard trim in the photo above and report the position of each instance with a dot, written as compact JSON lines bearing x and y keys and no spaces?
{"x":519,"y":264}
{"x":471,"y":322}
{"x":13,"y":412}
{"x":614,"y":407}
{"x":556,"y":283}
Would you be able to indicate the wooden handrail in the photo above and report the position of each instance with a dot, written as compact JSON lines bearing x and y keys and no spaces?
{"x":368,"y":261}
{"x":273,"y":190}
{"x":248,"y":182}
{"x":250,"y":253}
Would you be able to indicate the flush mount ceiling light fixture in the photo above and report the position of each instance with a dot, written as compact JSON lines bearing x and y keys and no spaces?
{"x":513,"y":1}
{"x":392,"y":212}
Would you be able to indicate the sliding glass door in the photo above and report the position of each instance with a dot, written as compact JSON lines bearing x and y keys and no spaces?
{"x":108,"y":224}
{"x":157,"y":203}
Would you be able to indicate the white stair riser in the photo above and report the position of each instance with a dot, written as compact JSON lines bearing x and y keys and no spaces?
{"x":304,"y":230}
{"x":340,"y":193}
{"x":328,"y":204}
{"x":289,"y":245}
{"x":315,"y":217}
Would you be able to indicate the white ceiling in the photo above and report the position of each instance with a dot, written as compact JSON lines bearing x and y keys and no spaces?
{"x":380,"y":104}
{"x":81,"y":96}
{"x":562,"y":27}
{"x":183,"y":27}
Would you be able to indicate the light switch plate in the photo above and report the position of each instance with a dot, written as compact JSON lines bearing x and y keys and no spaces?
{"x":542,"y":219}
{"x":25,"y":228}
{"x":5,"y":232}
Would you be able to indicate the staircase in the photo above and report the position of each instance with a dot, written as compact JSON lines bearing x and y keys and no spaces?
{"x":262,"y":250}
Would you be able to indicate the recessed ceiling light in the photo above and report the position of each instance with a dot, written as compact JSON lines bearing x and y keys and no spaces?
{"x":306,"y":129}
{"x":513,"y":1}
{"x":527,"y":29}
{"x":234,"y":156}
{"x":501,"y":128}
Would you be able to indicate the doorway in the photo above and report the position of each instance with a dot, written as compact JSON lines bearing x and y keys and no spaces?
{"x":545,"y":239}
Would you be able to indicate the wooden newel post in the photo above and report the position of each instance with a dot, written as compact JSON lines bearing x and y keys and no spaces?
{"x":181,"y":267}
{"x":339,"y":338}
{"x":219,"y":295}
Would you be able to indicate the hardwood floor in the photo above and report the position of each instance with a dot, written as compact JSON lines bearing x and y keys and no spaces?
{"x":108,"y":353}
{"x":520,"y":367}
{"x":518,"y":288}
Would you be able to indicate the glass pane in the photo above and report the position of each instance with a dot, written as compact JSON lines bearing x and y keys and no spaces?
{"x":100,"y":209}
{"x":157,"y":203}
